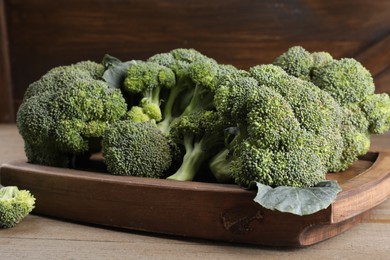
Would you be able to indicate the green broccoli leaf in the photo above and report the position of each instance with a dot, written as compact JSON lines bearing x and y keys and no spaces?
{"x":116,"y":70}
{"x":297,"y":200}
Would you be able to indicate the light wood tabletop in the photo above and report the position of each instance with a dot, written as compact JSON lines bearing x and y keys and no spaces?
{"x":38,"y":237}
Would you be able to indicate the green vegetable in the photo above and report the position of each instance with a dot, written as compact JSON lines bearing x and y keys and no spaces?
{"x":64,"y":114}
{"x":136,"y":149}
{"x":15,"y":205}
{"x":283,"y":125}
{"x":345,"y":79}
{"x":200,"y":133}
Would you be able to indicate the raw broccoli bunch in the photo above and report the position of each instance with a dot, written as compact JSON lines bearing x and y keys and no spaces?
{"x":65,"y":113}
{"x":15,"y":205}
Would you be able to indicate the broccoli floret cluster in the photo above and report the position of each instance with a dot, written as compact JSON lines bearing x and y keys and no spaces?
{"x":351,"y":85}
{"x":125,"y":144}
{"x":176,"y":113}
{"x":15,"y":205}
{"x":64,"y":114}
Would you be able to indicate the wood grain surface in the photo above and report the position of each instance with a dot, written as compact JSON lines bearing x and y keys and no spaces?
{"x":39,"y":237}
{"x":43,"y":34}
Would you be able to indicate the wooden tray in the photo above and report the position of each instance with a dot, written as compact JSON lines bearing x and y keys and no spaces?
{"x":195,"y":209}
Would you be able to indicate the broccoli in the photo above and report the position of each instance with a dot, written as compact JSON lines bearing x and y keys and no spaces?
{"x":377,"y":111}
{"x":296,"y":61}
{"x":269,"y":145}
{"x":345,"y":79}
{"x":201,"y":134}
{"x":320,"y":59}
{"x":65,"y":114}
{"x":149,"y":79}
{"x":351,"y":85}
{"x":197,"y":78}
{"x":136,"y":149}
{"x":355,"y":137}
{"x":59,"y":77}
{"x":15,"y":205}
{"x":316,"y":110}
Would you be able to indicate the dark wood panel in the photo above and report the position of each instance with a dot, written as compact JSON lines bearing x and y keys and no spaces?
{"x":376,"y":57}
{"x":6,"y":104}
{"x":46,"y":33}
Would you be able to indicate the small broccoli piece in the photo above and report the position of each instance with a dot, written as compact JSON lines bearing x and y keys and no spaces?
{"x":296,"y":61}
{"x":96,"y":70}
{"x":345,"y":79}
{"x":66,"y":115}
{"x":201,"y":134}
{"x":354,"y":131}
{"x":137,"y":114}
{"x":377,"y":110}
{"x":149,"y":79}
{"x":15,"y":205}
{"x":197,"y":78}
{"x":321,"y":59}
{"x":136,"y":149}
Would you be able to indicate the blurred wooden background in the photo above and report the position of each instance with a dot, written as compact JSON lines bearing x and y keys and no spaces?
{"x":36,"y":35}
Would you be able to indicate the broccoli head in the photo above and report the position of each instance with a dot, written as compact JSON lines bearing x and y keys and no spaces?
{"x":267,"y":142}
{"x":316,"y":111}
{"x":15,"y":205}
{"x":136,"y":149}
{"x":296,"y":61}
{"x":345,"y":79}
{"x":67,"y":116}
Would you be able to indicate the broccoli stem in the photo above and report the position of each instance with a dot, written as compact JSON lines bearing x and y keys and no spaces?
{"x":153,"y":95}
{"x":220,"y":167}
{"x":192,"y":161}
{"x":8,"y":193}
{"x":164,"y":125}
{"x":202,"y":99}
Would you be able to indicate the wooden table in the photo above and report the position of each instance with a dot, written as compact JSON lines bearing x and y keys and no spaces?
{"x":45,"y":238}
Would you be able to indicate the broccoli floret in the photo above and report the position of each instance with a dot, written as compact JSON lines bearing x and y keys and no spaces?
{"x":377,"y":110}
{"x":345,"y":79}
{"x":296,"y":61}
{"x":67,"y":116}
{"x":201,"y":134}
{"x":136,"y":149}
{"x":59,"y":77}
{"x":96,"y":70}
{"x":321,"y":59}
{"x":296,"y":167}
{"x":137,"y":114}
{"x":356,"y":139}
{"x":15,"y":205}
{"x":316,"y":111}
{"x":197,"y":78}
{"x":268,"y":145}
{"x":150,"y":79}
